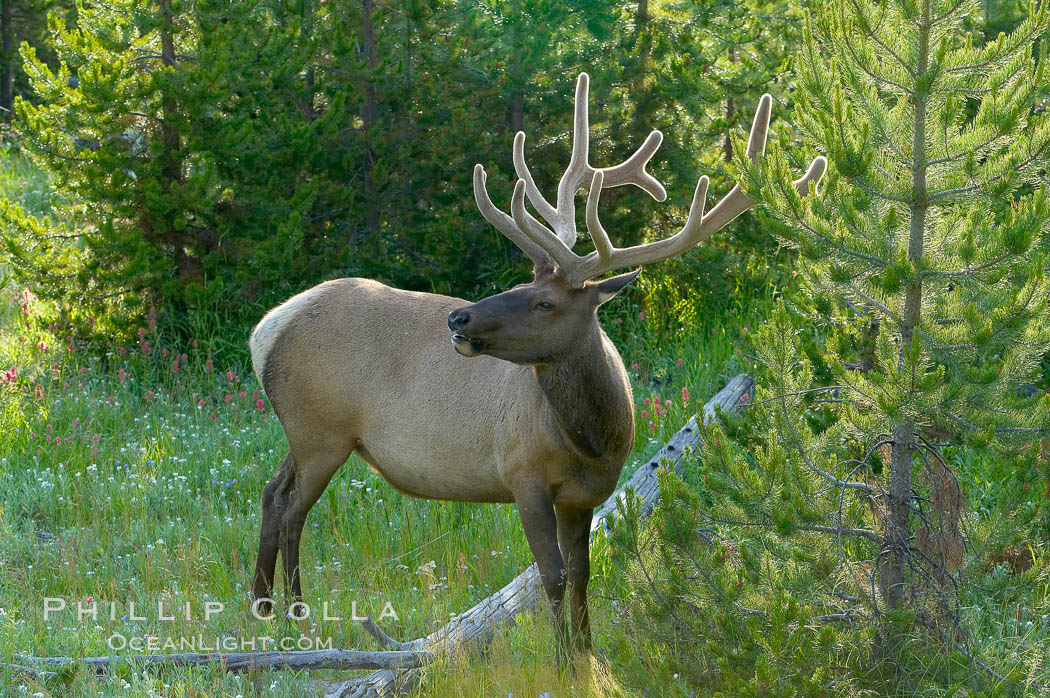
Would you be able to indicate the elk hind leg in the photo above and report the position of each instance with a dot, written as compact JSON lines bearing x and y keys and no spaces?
{"x":274,"y":495}
{"x":311,"y":474}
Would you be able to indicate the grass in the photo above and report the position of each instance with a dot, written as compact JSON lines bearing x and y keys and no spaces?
{"x":133,"y":476}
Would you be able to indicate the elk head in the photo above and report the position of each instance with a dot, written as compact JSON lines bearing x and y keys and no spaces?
{"x":535,"y":322}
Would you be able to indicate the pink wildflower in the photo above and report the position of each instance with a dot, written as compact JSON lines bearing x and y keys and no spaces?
{"x":259,"y":404}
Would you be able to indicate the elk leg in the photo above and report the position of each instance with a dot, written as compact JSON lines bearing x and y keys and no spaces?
{"x":574,"y":534}
{"x":266,"y":563}
{"x":541,"y":529}
{"x":311,"y":476}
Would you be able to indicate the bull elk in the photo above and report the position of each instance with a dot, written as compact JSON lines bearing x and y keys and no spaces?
{"x":533,"y":407}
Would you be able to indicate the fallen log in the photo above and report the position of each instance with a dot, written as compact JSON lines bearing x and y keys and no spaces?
{"x":476,"y":626}
{"x":250,"y":661}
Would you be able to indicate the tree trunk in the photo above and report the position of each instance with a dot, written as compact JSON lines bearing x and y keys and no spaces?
{"x":727,"y":145}
{"x":516,"y":73}
{"x":7,"y":71}
{"x":188,"y":267}
{"x":893,"y":572}
{"x":370,"y":116}
{"x":516,"y":113}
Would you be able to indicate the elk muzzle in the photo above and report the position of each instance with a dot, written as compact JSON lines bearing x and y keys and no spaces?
{"x":459,"y":322}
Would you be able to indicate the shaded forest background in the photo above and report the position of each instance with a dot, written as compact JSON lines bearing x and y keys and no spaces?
{"x":221,"y":156}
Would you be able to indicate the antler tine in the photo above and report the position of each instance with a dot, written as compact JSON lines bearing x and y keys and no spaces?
{"x":562,"y":219}
{"x":697,"y":227}
{"x":736,"y":201}
{"x":606,"y":257}
{"x":504,"y":223}
{"x":538,"y":233}
{"x":547,"y":246}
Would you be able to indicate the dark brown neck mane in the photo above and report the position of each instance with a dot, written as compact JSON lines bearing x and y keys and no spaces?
{"x":590,"y":403}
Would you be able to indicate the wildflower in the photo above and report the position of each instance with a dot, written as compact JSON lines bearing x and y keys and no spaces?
{"x":142,"y":332}
{"x":42,"y":346}
{"x":645,"y":414}
{"x":745,"y":398}
{"x":667,"y":403}
{"x":164,"y":352}
{"x":149,"y":395}
{"x":229,"y":376}
{"x":110,"y":399}
{"x":634,"y":366}
{"x":647,"y":402}
{"x":9,"y":376}
{"x":242,"y":394}
{"x":259,"y":404}
{"x":641,"y":315}
{"x":679,"y":362}
{"x":208,"y":366}
{"x":200,"y":403}
{"x":228,"y":398}
{"x":122,"y":351}
{"x":211,"y":416}
{"x":175,"y":366}
{"x":122,"y":376}
{"x":685,"y":394}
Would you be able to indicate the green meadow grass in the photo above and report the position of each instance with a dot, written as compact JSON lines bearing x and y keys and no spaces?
{"x":135,"y":477}
{"x":129,"y":476}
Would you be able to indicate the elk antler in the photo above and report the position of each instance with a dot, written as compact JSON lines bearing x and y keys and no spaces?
{"x":545,"y":246}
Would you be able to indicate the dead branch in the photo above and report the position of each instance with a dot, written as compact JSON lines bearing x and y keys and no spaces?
{"x":251,"y":661}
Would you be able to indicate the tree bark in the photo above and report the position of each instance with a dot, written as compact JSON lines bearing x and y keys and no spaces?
{"x":476,"y":626}
{"x":7,"y":71}
{"x":893,"y":572}
{"x":370,"y":116}
{"x":727,"y":145}
{"x":251,"y":661}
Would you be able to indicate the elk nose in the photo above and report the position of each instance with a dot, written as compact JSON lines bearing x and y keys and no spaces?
{"x":458,"y":319}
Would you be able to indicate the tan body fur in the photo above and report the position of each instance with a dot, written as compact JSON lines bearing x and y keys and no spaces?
{"x":370,"y":369}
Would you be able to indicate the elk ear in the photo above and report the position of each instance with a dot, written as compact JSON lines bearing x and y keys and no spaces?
{"x":607,"y":288}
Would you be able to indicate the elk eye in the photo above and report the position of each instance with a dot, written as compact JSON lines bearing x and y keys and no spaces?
{"x":545,"y":305}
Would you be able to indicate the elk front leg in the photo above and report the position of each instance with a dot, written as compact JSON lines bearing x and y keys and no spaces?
{"x":536,"y":510}
{"x":574,"y":534}
{"x":274,"y":496}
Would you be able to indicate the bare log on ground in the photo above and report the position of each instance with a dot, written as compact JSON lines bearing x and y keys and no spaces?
{"x":251,"y":661}
{"x":476,"y":626}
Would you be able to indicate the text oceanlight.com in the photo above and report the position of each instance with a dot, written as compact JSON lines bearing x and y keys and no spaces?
{"x":153,"y":644}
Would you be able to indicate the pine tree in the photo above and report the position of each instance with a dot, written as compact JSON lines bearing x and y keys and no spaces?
{"x":923,"y":261}
{"x":934,"y":224}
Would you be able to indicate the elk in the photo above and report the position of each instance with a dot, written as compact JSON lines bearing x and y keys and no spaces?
{"x":533,"y":407}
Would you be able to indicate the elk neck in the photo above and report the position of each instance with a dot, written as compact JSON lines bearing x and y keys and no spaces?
{"x":590,"y":398}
